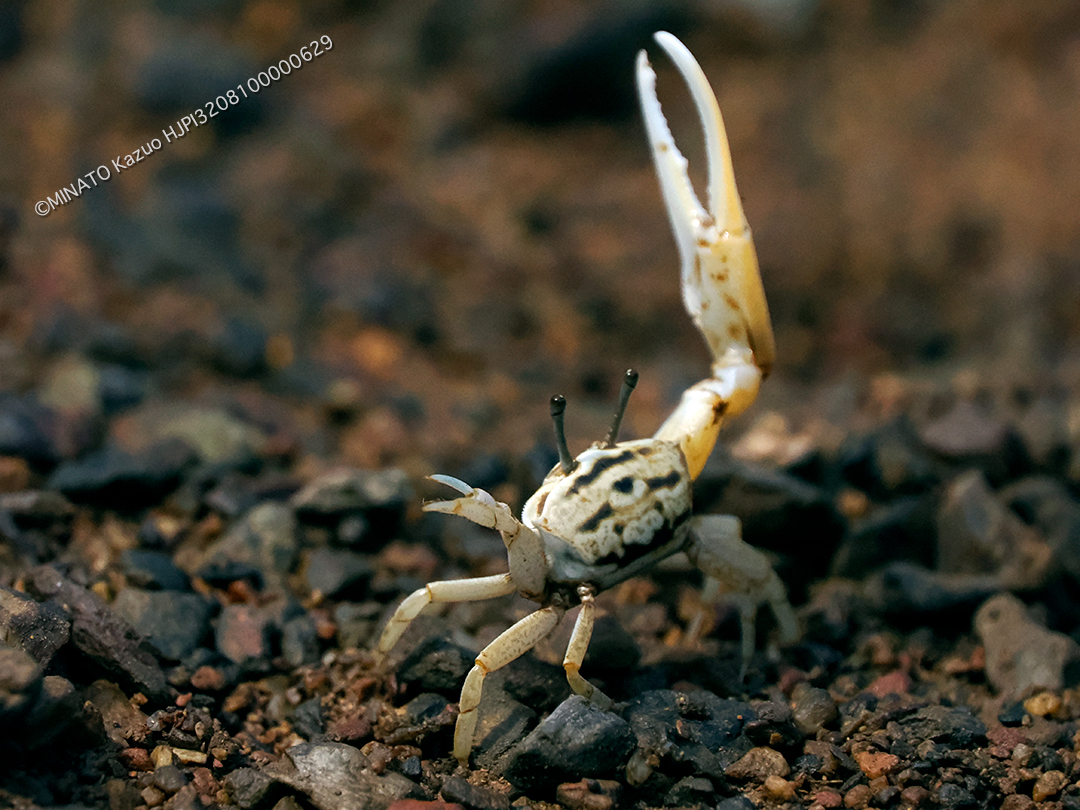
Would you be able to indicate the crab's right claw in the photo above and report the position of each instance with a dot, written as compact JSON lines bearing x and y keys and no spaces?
{"x":475,"y":505}
{"x":721,"y":283}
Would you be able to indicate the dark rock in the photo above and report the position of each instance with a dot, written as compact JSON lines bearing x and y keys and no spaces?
{"x":54,"y":711}
{"x":503,"y":723}
{"x":243,"y":635}
{"x":474,"y":797}
{"x":436,"y":665}
{"x":612,"y":650}
{"x":1013,"y":715}
{"x":152,"y":570}
{"x":379,"y":496}
{"x":300,"y":641}
{"x":772,"y":726}
{"x":121,"y":387}
{"x":356,"y":623}
{"x":174,"y":623}
{"x":903,"y":588}
{"x":1021,"y":654}
{"x":538,"y":684}
{"x":696,"y":731}
{"x":27,"y":431}
{"x":902,"y":530}
{"x":977,"y":535}
{"x":308,"y":719}
{"x":248,"y":787}
{"x":951,"y":796}
{"x":20,"y":683}
{"x":736,"y":803}
{"x":970,"y":436}
{"x":575,"y":740}
{"x":769,"y":503}
{"x":691,"y":791}
{"x":336,"y":572}
{"x":40,"y":630}
{"x":264,"y":542}
{"x":37,"y":509}
{"x":1048,"y":504}
{"x":887,"y":462}
{"x":123,"y":480}
{"x":169,"y":778}
{"x":335,"y":776}
{"x":101,"y":635}
{"x":423,"y":707}
{"x":241,"y":348}
{"x":953,"y":724}
{"x":813,"y":708}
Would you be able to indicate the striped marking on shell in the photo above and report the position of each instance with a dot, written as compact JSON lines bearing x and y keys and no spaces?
{"x":618,"y":500}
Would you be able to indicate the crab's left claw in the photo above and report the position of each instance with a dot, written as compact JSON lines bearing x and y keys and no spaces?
{"x":721,"y":283}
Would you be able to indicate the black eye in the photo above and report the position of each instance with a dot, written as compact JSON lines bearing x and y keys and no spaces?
{"x":624,"y":485}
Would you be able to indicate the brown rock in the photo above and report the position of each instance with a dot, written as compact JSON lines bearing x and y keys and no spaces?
{"x":876,"y":765}
{"x":589,"y":794}
{"x":759,"y":763}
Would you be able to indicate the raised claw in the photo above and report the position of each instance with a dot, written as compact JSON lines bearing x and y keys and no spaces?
{"x":721,"y":283}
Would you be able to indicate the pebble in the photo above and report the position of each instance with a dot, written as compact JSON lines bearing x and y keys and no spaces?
{"x":336,"y":572}
{"x":812,"y":708}
{"x":242,"y":633}
{"x":334,"y":776}
{"x":216,"y":435}
{"x":474,"y":797}
{"x":577,"y":739}
{"x":1048,"y":785}
{"x":589,"y":794}
{"x":899,"y":530}
{"x":124,"y":481}
{"x":690,"y":791}
{"x":1021,"y":654}
{"x":978,"y":534}
{"x":262,"y":544}
{"x":887,"y":462}
{"x":300,"y":641}
{"x":955,"y":725}
{"x":101,"y":635}
{"x":173,"y":622}
{"x":436,"y":665}
{"x":875,"y":765}
{"x":380,"y":497}
{"x":1050,"y":507}
{"x":152,"y":569}
{"x":968,"y":435}
{"x":759,"y":763}
{"x":503,"y":723}
{"x":39,"y":629}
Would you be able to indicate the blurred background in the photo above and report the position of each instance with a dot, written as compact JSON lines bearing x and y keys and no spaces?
{"x":395,"y":254}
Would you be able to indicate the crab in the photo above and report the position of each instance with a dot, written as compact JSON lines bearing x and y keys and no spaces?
{"x":620,"y":507}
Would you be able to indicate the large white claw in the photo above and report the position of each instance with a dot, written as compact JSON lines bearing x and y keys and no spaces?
{"x":721,"y":284}
{"x":476,"y":505}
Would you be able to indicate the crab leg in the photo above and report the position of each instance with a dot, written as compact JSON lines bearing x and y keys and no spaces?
{"x":721,"y":284}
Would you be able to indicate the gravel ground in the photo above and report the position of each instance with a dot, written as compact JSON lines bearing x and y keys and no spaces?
{"x":228,"y":369}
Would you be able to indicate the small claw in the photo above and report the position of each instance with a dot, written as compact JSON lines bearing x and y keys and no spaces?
{"x":475,"y":504}
{"x":453,"y":483}
{"x":721,"y":283}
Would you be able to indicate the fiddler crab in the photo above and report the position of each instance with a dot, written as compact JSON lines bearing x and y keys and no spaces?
{"x":620,"y":507}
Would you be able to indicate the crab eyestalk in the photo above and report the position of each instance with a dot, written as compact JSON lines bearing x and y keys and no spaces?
{"x":721,"y":283}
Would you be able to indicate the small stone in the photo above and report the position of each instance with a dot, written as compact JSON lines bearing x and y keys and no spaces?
{"x":335,"y":776}
{"x":812,"y":709}
{"x":759,"y":763}
{"x":828,"y":799}
{"x":1021,"y":654}
{"x":892,"y":683}
{"x":914,"y":795}
{"x":858,"y":797}
{"x":1017,"y":801}
{"x":690,"y":791}
{"x":136,"y":759}
{"x":978,"y":534}
{"x":589,"y":794}
{"x":779,"y":789}
{"x":736,"y":803}
{"x":336,"y":572}
{"x":436,"y":665}
{"x":169,"y":778}
{"x":1048,"y":785}
{"x":475,"y":797}
{"x":243,"y":635}
{"x":248,"y":787}
{"x":300,"y":641}
{"x":152,"y":570}
{"x":173,"y":622}
{"x":263,"y":544}
{"x":39,"y":629}
{"x":379,"y":496}
{"x":875,"y":765}
{"x":950,"y":795}
{"x":953,"y":724}
{"x":1043,"y":704}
